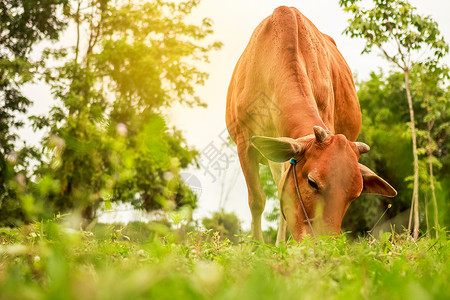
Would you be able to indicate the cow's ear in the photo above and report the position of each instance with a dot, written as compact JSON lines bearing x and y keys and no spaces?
{"x":373,"y":184}
{"x":277,"y":149}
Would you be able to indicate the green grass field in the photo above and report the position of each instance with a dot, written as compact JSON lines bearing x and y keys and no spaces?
{"x":145,"y":261}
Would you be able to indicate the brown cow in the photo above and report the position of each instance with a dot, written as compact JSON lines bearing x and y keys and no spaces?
{"x":292,"y":95}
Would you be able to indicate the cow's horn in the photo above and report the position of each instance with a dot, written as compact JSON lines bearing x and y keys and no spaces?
{"x":362,"y":148}
{"x":320,"y":133}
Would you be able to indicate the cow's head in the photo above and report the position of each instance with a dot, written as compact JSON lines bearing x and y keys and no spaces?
{"x":329,"y":177}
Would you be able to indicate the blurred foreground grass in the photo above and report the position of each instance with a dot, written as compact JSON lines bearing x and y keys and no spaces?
{"x":149,"y":261}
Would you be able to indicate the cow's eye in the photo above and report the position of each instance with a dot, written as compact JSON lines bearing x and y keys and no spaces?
{"x":313,"y":184}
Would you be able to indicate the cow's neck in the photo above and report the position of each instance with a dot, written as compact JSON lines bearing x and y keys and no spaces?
{"x":299,"y":110}
{"x":299,"y":120}
{"x":302,"y":130}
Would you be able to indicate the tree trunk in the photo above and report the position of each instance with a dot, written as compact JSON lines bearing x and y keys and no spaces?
{"x":89,"y":217}
{"x":426,"y":215}
{"x":410,"y":215}
{"x":433,"y":193}
{"x":415,"y":197}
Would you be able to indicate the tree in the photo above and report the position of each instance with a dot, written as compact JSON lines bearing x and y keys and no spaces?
{"x":108,"y":140}
{"x":394,"y":24}
{"x":385,"y":128}
{"x":227,"y":225}
{"x":23,"y":24}
{"x":435,"y":103}
{"x":386,"y":131}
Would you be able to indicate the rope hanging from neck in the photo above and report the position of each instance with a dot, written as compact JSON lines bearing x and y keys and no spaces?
{"x":293,"y":163}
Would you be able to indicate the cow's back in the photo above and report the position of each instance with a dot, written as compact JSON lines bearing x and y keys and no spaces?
{"x":296,"y":70}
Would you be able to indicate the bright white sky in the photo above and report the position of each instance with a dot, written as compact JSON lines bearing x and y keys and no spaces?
{"x":234,"y":22}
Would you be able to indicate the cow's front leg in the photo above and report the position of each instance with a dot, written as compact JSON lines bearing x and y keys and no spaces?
{"x":277,"y":170}
{"x":257,"y":202}
{"x":249,"y":158}
{"x":281,"y":236}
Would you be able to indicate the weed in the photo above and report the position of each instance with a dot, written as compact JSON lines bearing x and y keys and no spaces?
{"x":143,"y":261}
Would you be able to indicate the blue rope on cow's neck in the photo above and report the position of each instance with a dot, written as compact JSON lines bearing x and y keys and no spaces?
{"x":293,"y":161}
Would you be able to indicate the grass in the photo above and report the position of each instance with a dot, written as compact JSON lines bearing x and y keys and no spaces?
{"x":148,"y":261}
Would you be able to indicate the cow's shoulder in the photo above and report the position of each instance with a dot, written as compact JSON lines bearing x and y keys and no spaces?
{"x":292,"y":30}
{"x":285,"y":22}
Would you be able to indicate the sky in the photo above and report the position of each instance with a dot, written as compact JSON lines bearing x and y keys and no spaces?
{"x":219,"y":181}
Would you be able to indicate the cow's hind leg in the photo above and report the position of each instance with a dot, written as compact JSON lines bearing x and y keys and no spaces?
{"x":249,"y":158}
{"x":277,"y":170}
